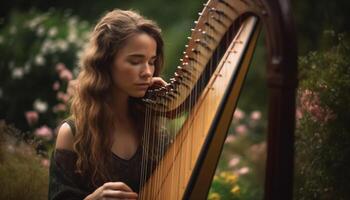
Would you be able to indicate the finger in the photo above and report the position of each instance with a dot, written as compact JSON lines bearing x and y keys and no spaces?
{"x":118,"y":186}
{"x":158,"y":81}
{"x":120,"y":194}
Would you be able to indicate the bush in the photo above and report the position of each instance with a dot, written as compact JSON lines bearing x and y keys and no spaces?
{"x":32,"y":46}
{"x":323,"y":128}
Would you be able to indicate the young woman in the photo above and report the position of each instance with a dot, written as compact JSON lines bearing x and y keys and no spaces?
{"x":98,"y":149}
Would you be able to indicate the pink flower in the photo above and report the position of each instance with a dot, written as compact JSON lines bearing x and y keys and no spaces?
{"x":60,"y":67}
{"x":45,"y":162}
{"x":72,"y":87}
{"x":255,"y":115}
{"x":44,"y":132}
{"x":243,"y":170}
{"x":62,"y":96}
{"x":257,"y":151}
{"x":310,"y":103}
{"x":230,"y":138}
{"x":238,"y":114}
{"x":66,"y":75}
{"x":241,"y":129}
{"x":59,"y":108}
{"x":233,"y":162}
{"x":32,"y":117}
{"x":298,"y":114}
{"x":56,"y":85}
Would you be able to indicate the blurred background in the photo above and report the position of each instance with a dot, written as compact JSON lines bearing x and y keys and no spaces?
{"x":40,"y":42}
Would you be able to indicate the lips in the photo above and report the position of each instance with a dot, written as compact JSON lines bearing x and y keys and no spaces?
{"x":143,"y":85}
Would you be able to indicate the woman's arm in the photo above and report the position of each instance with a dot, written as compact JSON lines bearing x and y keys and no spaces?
{"x":65,"y":184}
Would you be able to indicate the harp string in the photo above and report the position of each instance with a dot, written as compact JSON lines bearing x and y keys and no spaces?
{"x":155,"y":146}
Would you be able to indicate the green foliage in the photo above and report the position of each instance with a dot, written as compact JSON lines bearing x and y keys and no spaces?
{"x":31,"y":44}
{"x":323,"y":129}
{"x":19,"y":166}
{"x":241,"y":169}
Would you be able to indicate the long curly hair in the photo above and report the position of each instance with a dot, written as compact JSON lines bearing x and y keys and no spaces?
{"x":90,"y":106}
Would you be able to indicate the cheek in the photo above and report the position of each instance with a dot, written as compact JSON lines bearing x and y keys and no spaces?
{"x":124,"y":74}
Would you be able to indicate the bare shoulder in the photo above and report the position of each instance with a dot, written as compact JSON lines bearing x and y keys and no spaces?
{"x":65,"y":138}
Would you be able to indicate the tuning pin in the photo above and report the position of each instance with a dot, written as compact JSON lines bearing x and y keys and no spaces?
{"x":192,"y":59}
{"x":175,"y":92}
{"x":204,"y":44}
{"x":183,"y":70}
{"x":210,"y":26}
{"x":170,"y":86}
{"x":195,"y":51}
{"x":177,"y":76}
{"x":218,"y":20}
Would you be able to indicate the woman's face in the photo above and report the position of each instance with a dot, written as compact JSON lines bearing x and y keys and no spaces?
{"x":133,"y":66}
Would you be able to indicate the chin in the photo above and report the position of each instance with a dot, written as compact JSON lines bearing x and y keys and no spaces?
{"x":138,"y":94}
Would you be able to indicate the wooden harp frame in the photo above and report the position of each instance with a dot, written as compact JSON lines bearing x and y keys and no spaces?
{"x":275,"y":18}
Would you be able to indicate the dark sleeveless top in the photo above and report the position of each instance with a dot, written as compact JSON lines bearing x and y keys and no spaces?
{"x":66,"y":184}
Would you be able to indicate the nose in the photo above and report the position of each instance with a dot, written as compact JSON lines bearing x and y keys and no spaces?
{"x":147,"y":71}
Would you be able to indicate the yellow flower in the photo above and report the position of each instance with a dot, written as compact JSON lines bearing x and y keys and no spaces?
{"x":216,"y":178}
{"x":231,"y":178}
{"x":235,"y":189}
{"x":223,"y":174}
{"x":214,"y":196}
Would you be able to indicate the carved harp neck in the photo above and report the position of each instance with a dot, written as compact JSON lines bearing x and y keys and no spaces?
{"x":204,"y":91}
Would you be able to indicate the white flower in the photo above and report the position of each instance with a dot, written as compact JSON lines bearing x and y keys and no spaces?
{"x":72,"y":35}
{"x":39,"y":60}
{"x":40,"y":31}
{"x":53,"y":31}
{"x":17,"y":73}
{"x":35,"y":21}
{"x":40,"y":106}
{"x":255,"y":115}
{"x":47,"y":47}
{"x":243,"y":170}
{"x":72,"y":21}
{"x":62,"y":45}
{"x":11,"y":148}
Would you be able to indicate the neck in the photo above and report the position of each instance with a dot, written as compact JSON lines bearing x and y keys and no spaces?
{"x":120,"y":105}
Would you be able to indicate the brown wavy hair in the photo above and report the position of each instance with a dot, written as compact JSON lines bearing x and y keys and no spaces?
{"x":90,"y":107}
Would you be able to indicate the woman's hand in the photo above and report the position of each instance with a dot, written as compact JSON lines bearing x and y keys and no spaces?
{"x":158,"y":82}
{"x":112,"y":191}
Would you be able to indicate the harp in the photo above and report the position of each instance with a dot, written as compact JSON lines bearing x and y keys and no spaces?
{"x":204,"y":91}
